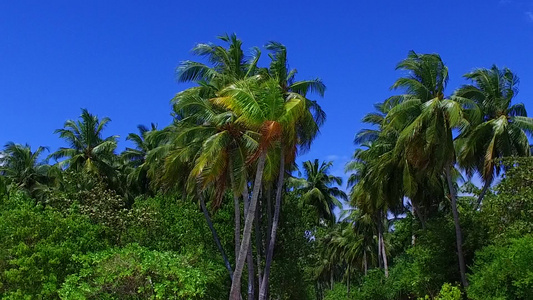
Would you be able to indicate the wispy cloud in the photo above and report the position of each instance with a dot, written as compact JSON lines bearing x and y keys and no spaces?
{"x":332,"y":157}
{"x":529,"y":15}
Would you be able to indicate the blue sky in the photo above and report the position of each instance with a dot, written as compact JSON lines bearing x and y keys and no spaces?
{"x":117,"y":58}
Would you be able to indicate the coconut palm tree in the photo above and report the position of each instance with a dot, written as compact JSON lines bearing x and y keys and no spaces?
{"x":426,"y":119}
{"x":260,"y":106}
{"x":504,"y":126}
{"x":317,"y":191}
{"x":229,"y":66}
{"x":297,"y":137}
{"x":135,"y":158}
{"x":87,"y":150}
{"x":22,"y":168}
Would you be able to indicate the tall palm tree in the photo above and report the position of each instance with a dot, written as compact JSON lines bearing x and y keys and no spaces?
{"x":503,"y":128}
{"x":296,"y":137}
{"x":426,"y":120}
{"x":87,"y":150}
{"x":260,"y":106}
{"x":226,"y":144}
{"x":317,"y":191}
{"x":22,"y":168}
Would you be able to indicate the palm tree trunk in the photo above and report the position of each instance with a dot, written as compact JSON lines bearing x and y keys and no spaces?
{"x":348,"y":283}
{"x":258,"y":246}
{"x":482,"y":194}
{"x":331,"y":279}
{"x":384,"y":255}
{"x":214,"y":232}
{"x":365,"y":262}
{"x":269,"y":214}
{"x":249,"y":260}
{"x":458,"y":233}
{"x":237,"y":206}
{"x":272,"y":242}
{"x":380,"y":258}
{"x":235,"y":291}
{"x":381,"y":241}
{"x":237,"y":211}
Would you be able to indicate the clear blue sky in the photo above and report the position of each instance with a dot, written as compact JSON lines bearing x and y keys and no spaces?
{"x":117,"y":58}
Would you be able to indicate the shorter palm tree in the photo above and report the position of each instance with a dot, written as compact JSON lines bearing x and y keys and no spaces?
{"x":22,"y":168}
{"x":135,"y":158}
{"x":317,"y":189}
{"x":504,"y":126}
{"x":87,"y":149}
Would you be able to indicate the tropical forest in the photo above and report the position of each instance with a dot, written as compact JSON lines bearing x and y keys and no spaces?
{"x":436,"y":201}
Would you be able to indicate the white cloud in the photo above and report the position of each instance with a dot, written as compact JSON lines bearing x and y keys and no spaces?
{"x":332,"y":157}
{"x":529,"y":16}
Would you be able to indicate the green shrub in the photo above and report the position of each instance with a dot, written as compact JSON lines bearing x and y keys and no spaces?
{"x":135,"y":272}
{"x":37,"y":245}
{"x":503,"y":271}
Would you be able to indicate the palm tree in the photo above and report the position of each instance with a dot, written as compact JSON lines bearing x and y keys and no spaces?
{"x":297,"y":136}
{"x":22,"y":168}
{"x":317,"y":190}
{"x":135,"y":158}
{"x":504,"y":126}
{"x":226,"y":144}
{"x":87,"y":149}
{"x":426,"y":120}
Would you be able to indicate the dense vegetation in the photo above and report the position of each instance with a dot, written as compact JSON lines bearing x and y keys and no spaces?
{"x":214,"y":206}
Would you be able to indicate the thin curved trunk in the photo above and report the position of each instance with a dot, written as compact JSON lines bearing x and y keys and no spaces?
{"x":235,"y":292}
{"x":214,"y":233}
{"x":272,"y":242}
{"x":348,"y":283}
{"x":365,"y":262}
{"x":258,"y":246}
{"x":237,"y":208}
{"x":384,"y":255}
{"x":482,"y":194}
{"x":458,"y":233}
{"x":381,"y":242}
{"x":249,"y":259}
{"x":237,"y":211}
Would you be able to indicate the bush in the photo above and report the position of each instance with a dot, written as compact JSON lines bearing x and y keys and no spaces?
{"x":503,"y":271}
{"x":135,"y":272}
{"x":37,"y":245}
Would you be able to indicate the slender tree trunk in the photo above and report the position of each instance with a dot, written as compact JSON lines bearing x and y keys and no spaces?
{"x":249,"y":259}
{"x":413,"y":236}
{"x":482,"y":195}
{"x":237,"y":211}
{"x":381,"y":242}
{"x":458,"y":233}
{"x":272,"y":242}
{"x":269,"y":214}
{"x":258,"y":245}
{"x":384,"y":255}
{"x":237,"y":225}
{"x":380,"y":258}
{"x":215,"y":235}
{"x":365,"y":262}
{"x":235,"y":291}
{"x":348,"y":284}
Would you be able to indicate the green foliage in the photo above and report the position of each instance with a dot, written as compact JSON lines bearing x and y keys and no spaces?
{"x":88,"y":195}
{"x":37,"y":246}
{"x":503,"y":271}
{"x":509,"y":212}
{"x":339,"y":291}
{"x":290,"y":278}
{"x":170,"y":226}
{"x":135,"y":272}
{"x":447,"y":292}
